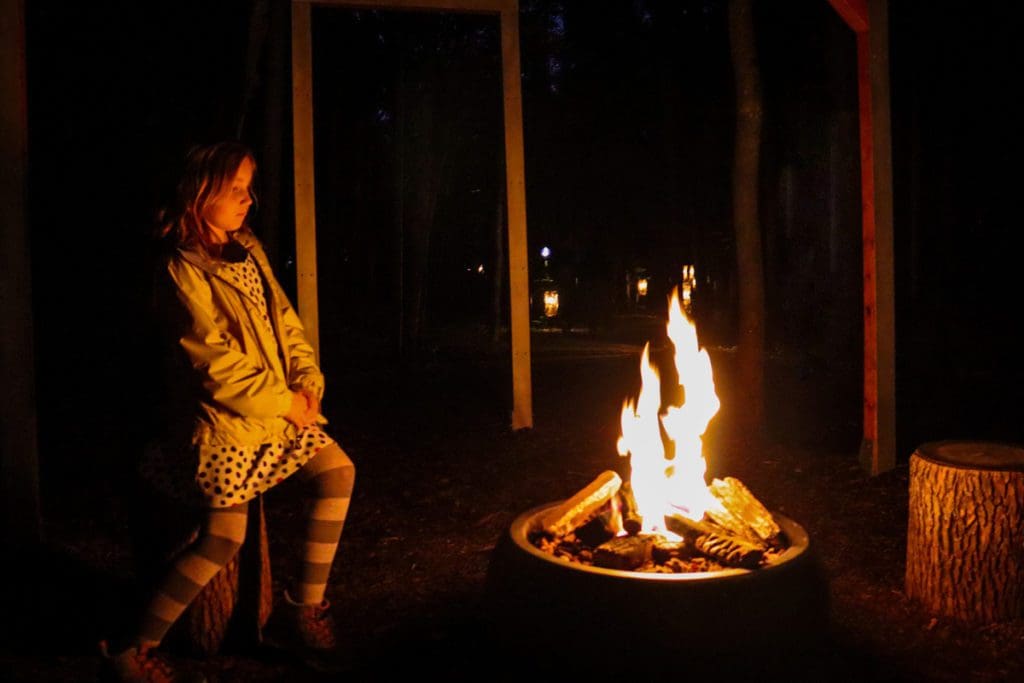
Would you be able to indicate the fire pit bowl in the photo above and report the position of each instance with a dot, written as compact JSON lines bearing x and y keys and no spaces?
{"x":609,"y":620}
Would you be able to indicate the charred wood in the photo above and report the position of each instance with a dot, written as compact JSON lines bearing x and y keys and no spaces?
{"x":716,"y":543}
{"x":625,"y":552}
{"x":664,"y":551}
{"x":600,"y":529}
{"x":732,"y":552}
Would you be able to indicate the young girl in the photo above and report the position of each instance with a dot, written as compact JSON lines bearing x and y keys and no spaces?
{"x":243,"y":408}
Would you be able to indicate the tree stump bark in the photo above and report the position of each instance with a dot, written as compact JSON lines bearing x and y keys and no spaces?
{"x":237,"y":602}
{"x":965,"y":533}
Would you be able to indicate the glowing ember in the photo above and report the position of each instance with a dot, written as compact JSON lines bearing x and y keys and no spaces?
{"x":661,"y":485}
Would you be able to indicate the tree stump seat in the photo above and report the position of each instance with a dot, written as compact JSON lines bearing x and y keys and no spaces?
{"x":965,"y":532}
{"x":235,"y":605}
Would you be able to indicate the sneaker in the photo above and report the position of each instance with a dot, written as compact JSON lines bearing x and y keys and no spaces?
{"x":307,"y":632}
{"x":141,"y":664}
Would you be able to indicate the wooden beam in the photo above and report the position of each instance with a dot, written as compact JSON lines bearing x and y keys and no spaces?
{"x":305,"y":199}
{"x":515,"y":174}
{"x":463,"y":6}
{"x":878,"y":452}
{"x":19,"y":458}
{"x":853,"y":12}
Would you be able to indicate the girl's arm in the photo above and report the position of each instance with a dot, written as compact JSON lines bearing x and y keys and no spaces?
{"x":303,"y":372}
{"x":229,"y":377}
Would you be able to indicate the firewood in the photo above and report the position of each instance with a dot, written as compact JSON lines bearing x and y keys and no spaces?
{"x":730,"y":551}
{"x":724,"y":518}
{"x":716,"y":544}
{"x":601,"y":528}
{"x":663,"y":550}
{"x":688,"y":528}
{"x":744,"y":506}
{"x":625,"y":552}
{"x":580,"y":508}
{"x":632,"y":522}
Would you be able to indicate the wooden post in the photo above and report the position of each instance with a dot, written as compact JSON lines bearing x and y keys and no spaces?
{"x":519,"y":280}
{"x":19,"y":466}
{"x":869,"y":20}
{"x":965,"y":533}
{"x":305,"y":199}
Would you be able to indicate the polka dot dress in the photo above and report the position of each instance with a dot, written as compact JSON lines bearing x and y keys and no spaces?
{"x":246,"y":277}
{"x":228,"y":475}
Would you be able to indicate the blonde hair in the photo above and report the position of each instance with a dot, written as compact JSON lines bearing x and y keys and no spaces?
{"x":208,"y":168}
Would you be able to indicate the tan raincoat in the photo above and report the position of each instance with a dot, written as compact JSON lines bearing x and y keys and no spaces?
{"x":232,"y":374}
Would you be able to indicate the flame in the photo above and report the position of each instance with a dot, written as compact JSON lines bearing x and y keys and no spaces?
{"x":662,"y":485}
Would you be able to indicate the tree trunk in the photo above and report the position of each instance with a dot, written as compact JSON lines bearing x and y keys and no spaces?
{"x":238,"y":600}
{"x":272,"y":202}
{"x":965,"y":534}
{"x":235,"y":605}
{"x":426,"y":137}
{"x":19,"y":460}
{"x":750,"y":269}
{"x":498,"y":270}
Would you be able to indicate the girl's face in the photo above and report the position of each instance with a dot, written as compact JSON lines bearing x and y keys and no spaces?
{"x":226,"y":213}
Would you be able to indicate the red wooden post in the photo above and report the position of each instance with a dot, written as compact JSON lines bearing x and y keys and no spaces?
{"x":869,"y":20}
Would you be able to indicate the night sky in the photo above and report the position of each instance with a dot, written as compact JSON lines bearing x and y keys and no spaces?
{"x":628,"y":121}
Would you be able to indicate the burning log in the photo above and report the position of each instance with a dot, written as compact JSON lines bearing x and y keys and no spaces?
{"x":711,"y":542}
{"x":583,"y":506}
{"x":688,"y":528}
{"x":601,"y":528}
{"x":664,"y":551}
{"x":632,"y":522}
{"x":625,"y":552}
{"x":743,"y":513}
{"x":732,"y":552}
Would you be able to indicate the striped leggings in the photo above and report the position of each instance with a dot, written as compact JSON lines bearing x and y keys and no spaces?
{"x":332,"y":476}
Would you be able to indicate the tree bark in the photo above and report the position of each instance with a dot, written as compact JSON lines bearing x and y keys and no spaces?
{"x":427,"y":132}
{"x":498,"y":270}
{"x":965,"y":533}
{"x":238,"y":600}
{"x":19,"y":457}
{"x":235,"y":605}
{"x":746,"y":161}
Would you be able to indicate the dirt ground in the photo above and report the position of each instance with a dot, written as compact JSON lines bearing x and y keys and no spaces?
{"x":441,"y":476}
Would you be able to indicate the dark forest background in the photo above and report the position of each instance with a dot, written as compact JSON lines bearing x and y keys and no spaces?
{"x":628,"y":124}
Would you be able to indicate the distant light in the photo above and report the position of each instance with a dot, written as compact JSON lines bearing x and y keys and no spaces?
{"x":551,"y":303}
{"x":545,"y":252}
{"x":641,"y":287}
{"x":480,"y":268}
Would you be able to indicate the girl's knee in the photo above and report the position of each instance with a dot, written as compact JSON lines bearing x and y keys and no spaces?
{"x":336,"y":482}
{"x":333,"y":473}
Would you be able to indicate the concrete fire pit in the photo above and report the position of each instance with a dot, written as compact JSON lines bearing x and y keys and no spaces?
{"x":607,"y":620}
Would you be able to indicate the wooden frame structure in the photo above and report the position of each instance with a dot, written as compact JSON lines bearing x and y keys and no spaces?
{"x":869,"y":20}
{"x":305,"y":214}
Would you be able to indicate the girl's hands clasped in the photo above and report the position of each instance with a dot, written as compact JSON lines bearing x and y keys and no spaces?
{"x":304,"y":409}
